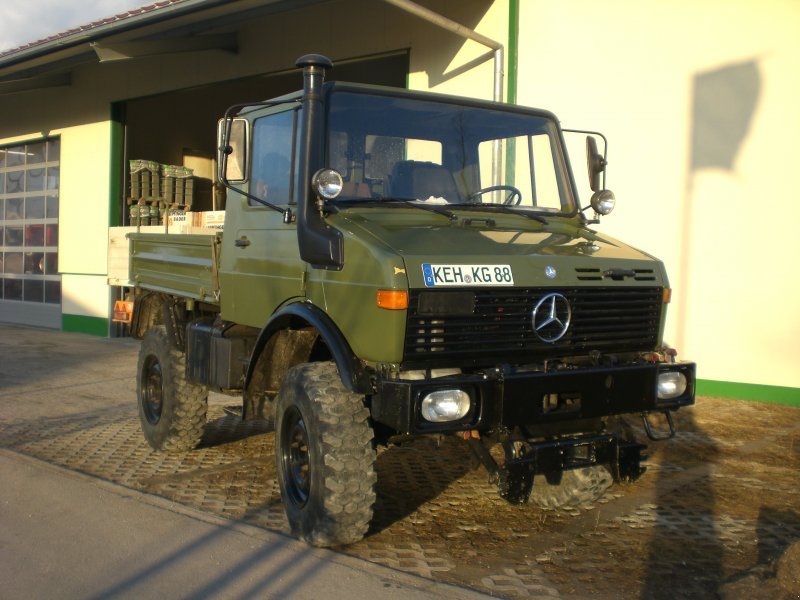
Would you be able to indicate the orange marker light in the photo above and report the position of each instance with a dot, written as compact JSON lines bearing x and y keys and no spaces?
{"x":667,"y":295}
{"x":393,"y":299}
{"x":123,"y":311}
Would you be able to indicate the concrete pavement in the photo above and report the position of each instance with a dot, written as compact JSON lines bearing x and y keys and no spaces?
{"x":64,"y":534}
{"x":69,"y":535}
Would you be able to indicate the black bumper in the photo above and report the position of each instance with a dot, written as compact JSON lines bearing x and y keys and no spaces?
{"x":502,"y":399}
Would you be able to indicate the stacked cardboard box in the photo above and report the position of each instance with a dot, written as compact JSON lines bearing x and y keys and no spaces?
{"x":212,"y":219}
{"x":195,"y":222}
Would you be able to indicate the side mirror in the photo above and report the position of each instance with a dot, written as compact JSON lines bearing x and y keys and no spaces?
{"x":232,"y":150}
{"x":595,"y":163}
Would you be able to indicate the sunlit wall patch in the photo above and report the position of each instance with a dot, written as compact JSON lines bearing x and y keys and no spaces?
{"x":461,"y":275}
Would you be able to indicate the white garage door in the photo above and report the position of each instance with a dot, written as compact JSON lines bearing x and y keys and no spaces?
{"x":30,"y":286}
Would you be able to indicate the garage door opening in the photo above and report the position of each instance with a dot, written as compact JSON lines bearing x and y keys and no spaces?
{"x":179,"y":128}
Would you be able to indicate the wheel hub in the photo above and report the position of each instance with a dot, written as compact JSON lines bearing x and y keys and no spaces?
{"x":152,"y":390}
{"x":295,"y":457}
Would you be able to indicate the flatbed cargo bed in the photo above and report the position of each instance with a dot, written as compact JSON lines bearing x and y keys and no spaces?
{"x":185,"y":265}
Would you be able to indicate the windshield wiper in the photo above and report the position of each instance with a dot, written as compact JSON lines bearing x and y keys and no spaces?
{"x":394,"y":201}
{"x":500,"y":208}
{"x":373,"y":203}
{"x":434,"y":209}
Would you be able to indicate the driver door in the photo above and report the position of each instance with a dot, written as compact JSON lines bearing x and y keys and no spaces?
{"x":261,"y":268}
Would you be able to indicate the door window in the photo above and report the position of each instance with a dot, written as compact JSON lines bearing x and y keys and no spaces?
{"x":272,"y":164}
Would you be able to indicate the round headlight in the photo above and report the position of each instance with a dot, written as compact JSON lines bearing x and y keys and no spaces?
{"x":603,"y":202}
{"x":671,"y":384}
{"x":327,"y":183}
{"x":445,"y":405}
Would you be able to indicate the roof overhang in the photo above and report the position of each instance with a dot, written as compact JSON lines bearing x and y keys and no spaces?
{"x":166,"y":27}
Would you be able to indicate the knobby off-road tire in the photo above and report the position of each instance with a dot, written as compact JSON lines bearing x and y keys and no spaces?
{"x":578,"y":487}
{"x":325,"y":456}
{"x":172,"y":411}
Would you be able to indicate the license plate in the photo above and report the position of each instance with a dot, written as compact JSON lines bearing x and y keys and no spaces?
{"x":466,"y":275}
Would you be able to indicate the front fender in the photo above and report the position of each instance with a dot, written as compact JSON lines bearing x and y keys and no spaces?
{"x":299,"y":315}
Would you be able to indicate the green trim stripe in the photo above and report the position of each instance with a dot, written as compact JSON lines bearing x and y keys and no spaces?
{"x":512,"y":57}
{"x":116,"y":176}
{"x":82,"y":324}
{"x":749,"y":391}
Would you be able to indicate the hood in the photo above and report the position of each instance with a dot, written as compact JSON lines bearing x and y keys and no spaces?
{"x":527,"y":253}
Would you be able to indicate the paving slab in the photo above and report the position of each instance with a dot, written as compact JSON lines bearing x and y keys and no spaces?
{"x":718,"y":500}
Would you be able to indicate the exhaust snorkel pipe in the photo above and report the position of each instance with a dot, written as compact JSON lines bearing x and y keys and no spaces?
{"x":321,"y":245}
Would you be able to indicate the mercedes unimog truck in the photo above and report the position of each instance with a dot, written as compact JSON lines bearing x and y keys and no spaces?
{"x":397,"y":264}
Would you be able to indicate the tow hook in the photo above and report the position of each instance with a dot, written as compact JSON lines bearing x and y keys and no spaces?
{"x":527,"y":458}
{"x":658,"y":436}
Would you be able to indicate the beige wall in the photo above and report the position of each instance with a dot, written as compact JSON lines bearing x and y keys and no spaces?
{"x":632,"y":70}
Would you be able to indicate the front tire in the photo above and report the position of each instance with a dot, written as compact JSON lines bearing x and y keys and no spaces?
{"x":325,"y":458}
{"x":172,"y":410}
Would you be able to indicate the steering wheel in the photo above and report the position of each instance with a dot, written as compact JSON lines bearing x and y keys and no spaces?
{"x":513,"y":199}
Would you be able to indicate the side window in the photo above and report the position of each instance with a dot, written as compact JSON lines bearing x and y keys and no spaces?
{"x":271,"y":170}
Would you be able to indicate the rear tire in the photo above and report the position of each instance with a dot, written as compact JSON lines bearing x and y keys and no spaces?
{"x":325,"y":458}
{"x":578,"y":487}
{"x":172,"y":410}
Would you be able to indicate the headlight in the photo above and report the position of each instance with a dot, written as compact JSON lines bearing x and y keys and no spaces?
{"x":671,"y":384}
{"x":327,"y":183}
{"x":445,"y":405}
{"x":603,"y":202}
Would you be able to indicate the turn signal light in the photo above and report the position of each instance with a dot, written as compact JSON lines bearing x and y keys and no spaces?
{"x":393,"y":299}
{"x":667,"y":295}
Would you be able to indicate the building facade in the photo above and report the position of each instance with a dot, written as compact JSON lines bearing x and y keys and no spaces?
{"x":697,"y":100}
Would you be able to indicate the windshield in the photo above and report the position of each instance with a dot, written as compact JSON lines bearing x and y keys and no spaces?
{"x":403,"y":149}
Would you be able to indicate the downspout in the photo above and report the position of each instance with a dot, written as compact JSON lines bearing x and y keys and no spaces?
{"x":465,"y":32}
{"x":511,"y":95}
{"x":513,"y":49}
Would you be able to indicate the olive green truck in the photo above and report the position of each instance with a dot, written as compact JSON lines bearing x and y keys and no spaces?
{"x":397,"y":264}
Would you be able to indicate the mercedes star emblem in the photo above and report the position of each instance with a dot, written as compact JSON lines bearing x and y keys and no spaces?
{"x":550,"y":272}
{"x":551,"y":317}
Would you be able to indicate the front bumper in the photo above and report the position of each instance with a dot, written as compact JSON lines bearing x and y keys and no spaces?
{"x":528,"y":398}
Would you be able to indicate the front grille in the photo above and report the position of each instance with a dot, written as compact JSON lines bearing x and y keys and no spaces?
{"x":500,"y":327}
{"x":595,"y":274}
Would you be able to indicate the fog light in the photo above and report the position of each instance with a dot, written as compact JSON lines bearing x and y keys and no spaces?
{"x":445,"y":405}
{"x":671,"y":384}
